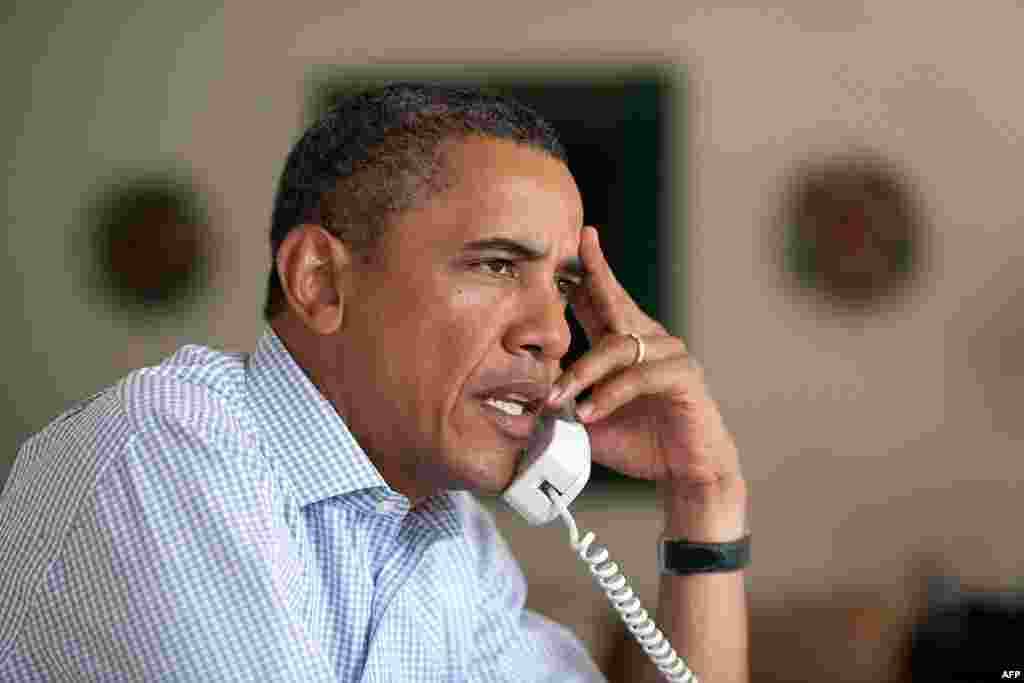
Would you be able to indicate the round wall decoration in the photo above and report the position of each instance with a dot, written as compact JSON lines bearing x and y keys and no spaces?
{"x":852,"y":230}
{"x":150,"y":243}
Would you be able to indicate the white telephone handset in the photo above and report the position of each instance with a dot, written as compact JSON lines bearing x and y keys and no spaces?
{"x":558,"y":455}
{"x":553,"y":470}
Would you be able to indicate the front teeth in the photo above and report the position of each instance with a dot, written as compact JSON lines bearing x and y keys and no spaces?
{"x":505,"y":406}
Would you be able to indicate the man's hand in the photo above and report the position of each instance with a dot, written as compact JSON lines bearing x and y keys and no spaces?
{"x":654,"y":419}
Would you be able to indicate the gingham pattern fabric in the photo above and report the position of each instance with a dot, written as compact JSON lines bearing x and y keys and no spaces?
{"x":212,"y":519}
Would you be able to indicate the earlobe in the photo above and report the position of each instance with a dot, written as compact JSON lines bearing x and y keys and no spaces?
{"x":310,"y":264}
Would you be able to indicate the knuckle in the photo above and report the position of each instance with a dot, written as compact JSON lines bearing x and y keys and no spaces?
{"x":604,"y":401}
{"x":644,"y":373}
{"x":612,"y":394}
{"x":626,"y":347}
{"x":569,"y":376}
{"x":625,"y":386}
{"x":578,"y":374}
{"x":609,"y":342}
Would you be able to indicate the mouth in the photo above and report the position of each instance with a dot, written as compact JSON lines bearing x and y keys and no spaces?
{"x":514,"y":416}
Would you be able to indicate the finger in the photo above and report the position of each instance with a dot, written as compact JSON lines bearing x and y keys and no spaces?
{"x":611,"y":354}
{"x":600,"y":300}
{"x":644,"y":379}
{"x":603,"y":305}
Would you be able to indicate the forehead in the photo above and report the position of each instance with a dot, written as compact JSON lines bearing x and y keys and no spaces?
{"x":498,"y":185}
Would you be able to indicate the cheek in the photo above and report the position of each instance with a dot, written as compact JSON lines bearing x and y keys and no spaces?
{"x":445,"y":337}
{"x":465,"y":327}
{"x":476,"y":316}
{"x":448,"y":330}
{"x":468,"y":336}
{"x":468,"y":298}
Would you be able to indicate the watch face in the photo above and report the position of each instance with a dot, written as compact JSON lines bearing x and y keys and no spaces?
{"x":852,"y":230}
{"x":677,"y":556}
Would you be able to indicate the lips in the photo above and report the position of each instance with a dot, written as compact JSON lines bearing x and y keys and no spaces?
{"x":534,"y":393}
{"x":517,"y":427}
{"x":519,"y":388}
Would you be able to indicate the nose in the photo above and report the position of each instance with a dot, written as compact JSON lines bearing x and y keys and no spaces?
{"x":542,"y":330}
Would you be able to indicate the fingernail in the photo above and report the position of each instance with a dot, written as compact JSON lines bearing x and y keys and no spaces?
{"x":556,"y":391}
{"x":584,"y":411}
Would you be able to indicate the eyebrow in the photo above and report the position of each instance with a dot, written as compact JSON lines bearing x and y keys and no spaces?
{"x":527,"y":252}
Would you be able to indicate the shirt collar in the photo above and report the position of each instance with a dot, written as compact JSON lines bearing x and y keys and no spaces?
{"x":440,"y":512}
{"x":309,"y":441}
{"x":303,"y":434}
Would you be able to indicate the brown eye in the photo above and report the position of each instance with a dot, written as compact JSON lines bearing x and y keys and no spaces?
{"x":495,"y":265}
{"x":567,"y":287}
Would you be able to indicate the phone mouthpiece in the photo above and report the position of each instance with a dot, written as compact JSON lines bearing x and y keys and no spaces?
{"x":556,"y":459}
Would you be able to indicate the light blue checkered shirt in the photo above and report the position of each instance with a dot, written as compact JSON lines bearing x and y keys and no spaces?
{"x":212,"y":519}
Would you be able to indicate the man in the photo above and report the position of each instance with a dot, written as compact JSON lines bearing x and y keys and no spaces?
{"x":304,"y":513}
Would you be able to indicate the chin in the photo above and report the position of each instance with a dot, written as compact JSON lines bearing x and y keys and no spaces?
{"x":488,"y":476}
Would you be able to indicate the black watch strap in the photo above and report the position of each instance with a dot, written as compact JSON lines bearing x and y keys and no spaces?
{"x":679,"y":557}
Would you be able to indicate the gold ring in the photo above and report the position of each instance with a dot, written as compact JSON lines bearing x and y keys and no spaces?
{"x":641,"y":349}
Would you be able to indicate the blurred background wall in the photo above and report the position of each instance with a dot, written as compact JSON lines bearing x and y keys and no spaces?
{"x":875,"y":444}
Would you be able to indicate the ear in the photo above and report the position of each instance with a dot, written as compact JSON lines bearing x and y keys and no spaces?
{"x":315,"y":272}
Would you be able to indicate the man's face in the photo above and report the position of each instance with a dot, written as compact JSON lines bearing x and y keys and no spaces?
{"x":453,"y":313}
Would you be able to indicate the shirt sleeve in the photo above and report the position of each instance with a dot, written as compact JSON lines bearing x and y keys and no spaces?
{"x":175,"y":569}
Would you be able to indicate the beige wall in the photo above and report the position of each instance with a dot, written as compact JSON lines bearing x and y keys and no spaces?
{"x":844,"y":424}
{"x":88,"y":91}
{"x":867,"y":441}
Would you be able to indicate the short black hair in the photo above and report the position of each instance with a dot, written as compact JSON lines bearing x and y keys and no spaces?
{"x":379,"y":152}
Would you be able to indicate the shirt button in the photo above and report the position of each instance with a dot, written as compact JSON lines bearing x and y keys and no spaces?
{"x":386,"y":506}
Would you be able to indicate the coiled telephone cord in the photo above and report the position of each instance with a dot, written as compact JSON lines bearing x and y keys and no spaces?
{"x":608,"y":576}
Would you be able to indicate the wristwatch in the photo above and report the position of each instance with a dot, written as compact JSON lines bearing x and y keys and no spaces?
{"x":679,"y":557}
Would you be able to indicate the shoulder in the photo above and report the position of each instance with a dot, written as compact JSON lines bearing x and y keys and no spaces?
{"x":177,"y":431}
{"x":196,"y":387}
{"x":189,"y":423}
{"x":192,"y":437}
{"x":191,"y":388}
